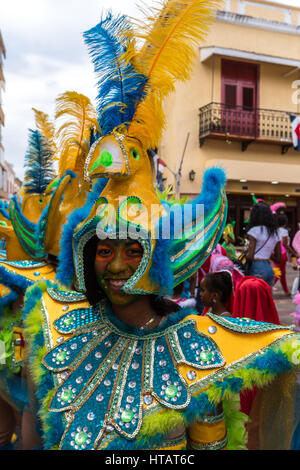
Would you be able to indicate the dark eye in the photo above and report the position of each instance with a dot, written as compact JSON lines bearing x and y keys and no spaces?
{"x":134,"y":252}
{"x":104,"y":252}
{"x":135,"y":154}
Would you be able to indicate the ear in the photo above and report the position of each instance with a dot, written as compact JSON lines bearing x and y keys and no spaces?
{"x":217,"y":296}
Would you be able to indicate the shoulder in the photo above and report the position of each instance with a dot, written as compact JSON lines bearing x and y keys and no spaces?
{"x":255,"y":231}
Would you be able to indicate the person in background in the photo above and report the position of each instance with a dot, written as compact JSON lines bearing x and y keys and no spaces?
{"x":286,"y":249}
{"x":264,"y":243}
{"x":179,"y":297}
{"x":216,"y":289}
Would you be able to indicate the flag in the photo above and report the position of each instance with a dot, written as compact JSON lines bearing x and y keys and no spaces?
{"x":295,"y":120}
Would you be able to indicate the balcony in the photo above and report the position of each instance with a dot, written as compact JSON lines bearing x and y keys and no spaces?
{"x":237,"y":123}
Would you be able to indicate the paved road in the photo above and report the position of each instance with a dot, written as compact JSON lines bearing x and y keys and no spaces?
{"x":284,"y":304}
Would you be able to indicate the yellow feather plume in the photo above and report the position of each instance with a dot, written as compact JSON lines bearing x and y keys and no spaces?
{"x":171,"y":35}
{"x":46,"y":127}
{"x":79,"y":117}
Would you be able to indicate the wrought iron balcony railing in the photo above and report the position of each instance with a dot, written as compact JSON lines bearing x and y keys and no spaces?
{"x":245,"y":125}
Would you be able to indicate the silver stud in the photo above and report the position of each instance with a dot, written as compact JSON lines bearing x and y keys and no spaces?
{"x":65,"y":308}
{"x":135,"y":365}
{"x":91,"y":416}
{"x":191,"y":375}
{"x":148,"y":400}
{"x":187,"y":334}
{"x":212,"y":329}
{"x":99,"y":397}
{"x":160,"y":348}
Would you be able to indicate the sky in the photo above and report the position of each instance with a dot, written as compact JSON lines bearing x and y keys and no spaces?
{"x":46,"y":56}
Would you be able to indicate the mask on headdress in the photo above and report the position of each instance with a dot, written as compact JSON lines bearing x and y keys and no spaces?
{"x":131,"y":87}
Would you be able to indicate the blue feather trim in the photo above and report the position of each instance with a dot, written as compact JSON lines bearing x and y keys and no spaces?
{"x":65,"y":272}
{"x":120,"y":87}
{"x":14,"y":280}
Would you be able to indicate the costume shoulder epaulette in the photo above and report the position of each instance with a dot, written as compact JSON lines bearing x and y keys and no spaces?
{"x":22,"y":274}
{"x":121,"y":380}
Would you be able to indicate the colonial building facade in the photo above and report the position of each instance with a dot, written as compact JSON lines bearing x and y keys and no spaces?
{"x":9,"y":183}
{"x":236,"y":109}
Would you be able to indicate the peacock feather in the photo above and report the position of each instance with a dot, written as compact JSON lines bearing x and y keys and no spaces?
{"x":38,"y":163}
{"x":120,"y":87}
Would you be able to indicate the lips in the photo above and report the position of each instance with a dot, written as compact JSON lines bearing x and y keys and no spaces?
{"x":115,"y":284}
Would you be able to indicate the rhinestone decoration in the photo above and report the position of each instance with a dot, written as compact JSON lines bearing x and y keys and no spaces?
{"x":245,"y":325}
{"x":191,"y":375}
{"x":171,"y":391}
{"x":91,"y":416}
{"x":148,"y":400}
{"x":127,"y":416}
{"x":129,"y":368}
{"x":65,"y":308}
{"x":212,"y":329}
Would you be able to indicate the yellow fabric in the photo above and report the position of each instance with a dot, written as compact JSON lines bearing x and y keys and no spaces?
{"x":206,"y":433}
{"x":18,"y":348}
{"x":232,"y":344}
{"x":4,"y":290}
{"x":268,"y":430}
{"x":47,"y":272}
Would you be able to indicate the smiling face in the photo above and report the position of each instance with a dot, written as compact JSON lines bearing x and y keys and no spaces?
{"x":115,"y":262}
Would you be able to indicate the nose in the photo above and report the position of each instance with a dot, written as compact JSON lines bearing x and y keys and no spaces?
{"x":117,"y":264}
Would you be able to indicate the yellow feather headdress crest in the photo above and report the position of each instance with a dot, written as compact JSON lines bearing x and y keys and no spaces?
{"x":170,"y":36}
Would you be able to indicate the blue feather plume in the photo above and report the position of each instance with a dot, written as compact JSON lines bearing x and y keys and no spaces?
{"x":38,"y":163}
{"x":120,"y":87}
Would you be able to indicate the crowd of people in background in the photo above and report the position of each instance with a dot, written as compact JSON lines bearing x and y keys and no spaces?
{"x":222,"y":286}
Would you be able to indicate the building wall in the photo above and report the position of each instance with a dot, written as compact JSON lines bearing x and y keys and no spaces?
{"x":266,"y":29}
{"x":259,"y":162}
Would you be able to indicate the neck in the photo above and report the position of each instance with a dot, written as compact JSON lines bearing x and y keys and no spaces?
{"x":218,"y":308}
{"x":137,"y":313}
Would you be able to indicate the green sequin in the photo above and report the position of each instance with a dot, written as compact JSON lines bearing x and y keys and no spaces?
{"x":67,"y":395}
{"x":81,"y":438}
{"x":61,"y":356}
{"x":127,"y":416}
{"x":206,"y":356}
{"x":171,"y":391}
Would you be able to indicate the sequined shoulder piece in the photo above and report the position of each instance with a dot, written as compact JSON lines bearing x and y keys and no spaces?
{"x":245,"y":325}
{"x":65,"y":296}
{"x":108,"y":376}
{"x":25,"y":264}
{"x":24,"y":273}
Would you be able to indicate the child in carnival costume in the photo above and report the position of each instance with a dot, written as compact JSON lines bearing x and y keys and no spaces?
{"x":30,"y":248}
{"x":114,"y":364}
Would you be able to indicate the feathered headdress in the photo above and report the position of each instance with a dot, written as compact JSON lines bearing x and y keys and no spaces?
{"x":132,"y":83}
